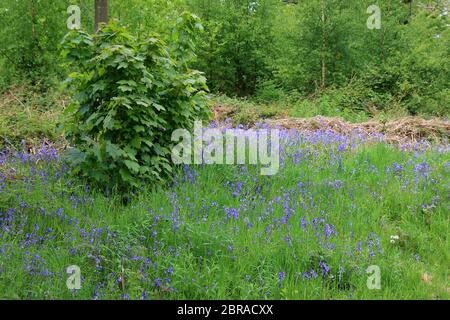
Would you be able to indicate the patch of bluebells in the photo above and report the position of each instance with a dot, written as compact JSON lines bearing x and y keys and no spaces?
{"x":232,"y":213}
{"x":292,"y":216}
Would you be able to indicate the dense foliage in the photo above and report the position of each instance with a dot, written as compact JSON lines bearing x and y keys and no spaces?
{"x":130,"y":96}
{"x":268,"y":49}
{"x":324,"y":50}
{"x":30,"y":31}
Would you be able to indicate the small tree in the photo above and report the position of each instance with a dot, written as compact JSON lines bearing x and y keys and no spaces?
{"x":129,"y":97}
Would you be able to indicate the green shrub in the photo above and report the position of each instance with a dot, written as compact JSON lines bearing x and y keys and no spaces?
{"x":130,"y":95}
{"x":269,"y":91}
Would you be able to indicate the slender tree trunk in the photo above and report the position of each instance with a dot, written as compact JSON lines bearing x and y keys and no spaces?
{"x":322,"y":80}
{"x":101,"y":13}
{"x":33,"y":20}
{"x":34,"y":35}
{"x":336,"y":57}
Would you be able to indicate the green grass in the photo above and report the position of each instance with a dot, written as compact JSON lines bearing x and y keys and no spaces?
{"x":246,"y":111}
{"x":361,"y":192}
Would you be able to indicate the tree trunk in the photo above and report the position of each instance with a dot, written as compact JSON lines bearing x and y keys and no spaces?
{"x":34,"y":35}
{"x":33,"y":21}
{"x":322,"y":80}
{"x":101,"y":13}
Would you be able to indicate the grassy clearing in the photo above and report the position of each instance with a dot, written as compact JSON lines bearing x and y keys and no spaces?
{"x":227,"y":232}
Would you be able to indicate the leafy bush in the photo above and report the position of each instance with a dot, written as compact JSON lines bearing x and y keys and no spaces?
{"x":130,"y":95}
